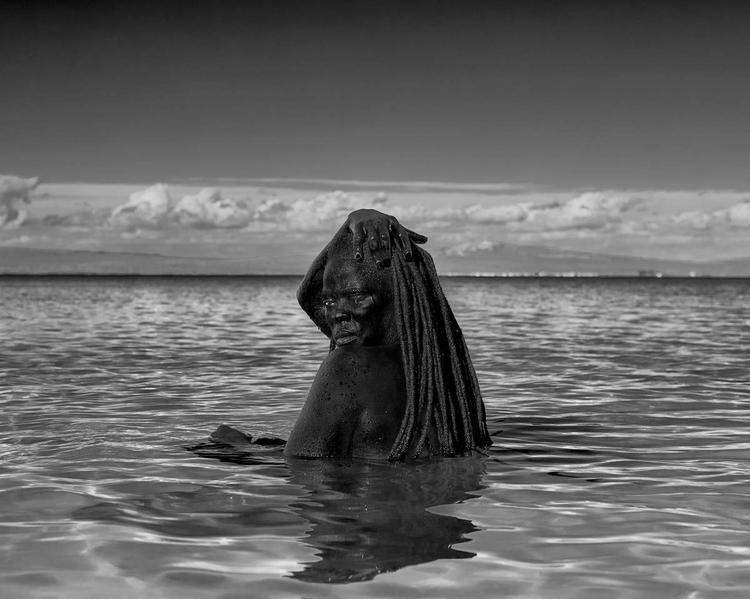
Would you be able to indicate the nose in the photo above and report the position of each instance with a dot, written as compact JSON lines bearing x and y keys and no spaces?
{"x":342,"y":315}
{"x":341,"y":312}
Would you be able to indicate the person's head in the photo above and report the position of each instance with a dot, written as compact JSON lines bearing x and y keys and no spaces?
{"x":356,"y":299}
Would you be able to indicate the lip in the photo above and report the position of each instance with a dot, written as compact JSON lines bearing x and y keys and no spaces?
{"x":346,"y":339}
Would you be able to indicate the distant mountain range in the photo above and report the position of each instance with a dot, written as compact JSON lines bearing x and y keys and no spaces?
{"x":540,"y":260}
{"x":506,"y":259}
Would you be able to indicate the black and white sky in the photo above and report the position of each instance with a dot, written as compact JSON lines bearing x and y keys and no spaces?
{"x":617,"y":128}
{"x":566,"y":94}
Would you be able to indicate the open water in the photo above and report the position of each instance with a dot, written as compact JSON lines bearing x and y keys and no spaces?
{"x":620,"y":468}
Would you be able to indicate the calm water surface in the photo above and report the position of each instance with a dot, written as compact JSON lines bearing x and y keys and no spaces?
{"x":619,"y":411}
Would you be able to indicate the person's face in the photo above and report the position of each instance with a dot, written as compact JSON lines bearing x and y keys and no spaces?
{"x":358,"y":306}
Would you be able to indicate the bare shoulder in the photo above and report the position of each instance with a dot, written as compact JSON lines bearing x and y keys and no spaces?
{"x":354,"y":384}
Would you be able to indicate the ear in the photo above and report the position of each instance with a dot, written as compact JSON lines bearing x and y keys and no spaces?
{"x":310,"y":292}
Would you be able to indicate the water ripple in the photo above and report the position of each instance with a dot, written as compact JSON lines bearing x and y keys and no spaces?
{"x":618,"y":408}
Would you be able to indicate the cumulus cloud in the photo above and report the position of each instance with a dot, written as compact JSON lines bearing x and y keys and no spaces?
{"x":590,"y":210}
{"x":155,"y":208}
{"x":314,"y":213}
{"x":209,"y":209}
{"x":593,"y":210}
{"x":184,"y":219}
{"x":736,"y":216}
{"x":456,"y":227}
{"x":701,"y":221}
{"x":149,"y":207}
{"x":14,"y":193}
{"x":585,"y":213}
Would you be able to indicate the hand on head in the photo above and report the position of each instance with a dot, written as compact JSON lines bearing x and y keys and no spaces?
{"x":377,"y":234}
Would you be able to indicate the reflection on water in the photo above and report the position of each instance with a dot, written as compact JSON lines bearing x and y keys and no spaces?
{"x":366,"y":517}
{"x":369,"y":518}
{"x":619,"y":411}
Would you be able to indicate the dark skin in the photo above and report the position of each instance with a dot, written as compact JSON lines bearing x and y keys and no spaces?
{"x":356,"y":402}
{"x":380,"y":234}
{"x":354,"y":407}
{"x":357,"y":307}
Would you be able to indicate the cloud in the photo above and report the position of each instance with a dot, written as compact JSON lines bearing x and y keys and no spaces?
{"x":82,"y":219}
{"x":209,"y":209}
{"x":186,"y":217}
{"x":319,"y":212}
{"x":149,"y":207}
{"x":14,"y":193}
{"x":592,"y":210}
{"x":736,"y":216}
{"x":582,"y":214}
{"x":155,"y":208}
{"x":700,"y":221}
{"x":472,"y":247}
{"x":515,"y":213}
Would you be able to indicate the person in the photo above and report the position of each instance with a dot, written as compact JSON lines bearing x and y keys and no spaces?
{"x":398,"y":382}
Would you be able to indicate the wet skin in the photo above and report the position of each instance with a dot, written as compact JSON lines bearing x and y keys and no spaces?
{"x":357,"y":304}
{"x":356,"y":402}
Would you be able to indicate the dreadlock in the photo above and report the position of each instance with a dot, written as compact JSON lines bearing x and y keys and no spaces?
{"x":444,"y":414}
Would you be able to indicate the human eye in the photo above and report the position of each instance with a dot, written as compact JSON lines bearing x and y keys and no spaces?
{"x":327,"y":302}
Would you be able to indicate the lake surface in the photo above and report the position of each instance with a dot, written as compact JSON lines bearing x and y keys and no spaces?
{"x":620,"y":413}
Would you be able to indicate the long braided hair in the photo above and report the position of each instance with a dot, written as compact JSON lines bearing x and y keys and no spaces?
{"x":444,"y":413}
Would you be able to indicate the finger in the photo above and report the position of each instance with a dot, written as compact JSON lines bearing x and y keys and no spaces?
{"x":359,"y":237}
{"x":373,"y":239}
{"x":416,"y":237}
{"x":374,"y":243}
{"x":405,"y":243}
{"x":385,"y":247}
{"x":395,"y":239}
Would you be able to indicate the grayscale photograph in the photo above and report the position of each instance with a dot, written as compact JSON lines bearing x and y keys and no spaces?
{"x":372,"y":299}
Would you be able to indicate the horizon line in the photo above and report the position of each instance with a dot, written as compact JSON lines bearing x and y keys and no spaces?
{"x":450,"y":275}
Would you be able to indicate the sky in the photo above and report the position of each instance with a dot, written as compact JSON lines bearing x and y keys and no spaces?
{"x":564,"y":94}
{"x":613,"y":128}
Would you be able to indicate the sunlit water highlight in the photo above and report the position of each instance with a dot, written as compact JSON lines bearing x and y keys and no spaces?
{"x":619,"y":409}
